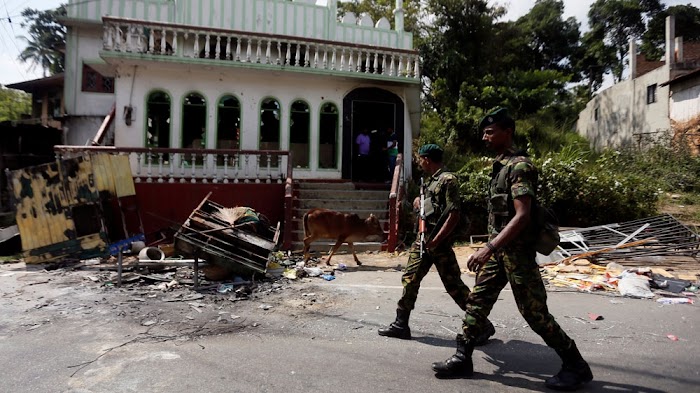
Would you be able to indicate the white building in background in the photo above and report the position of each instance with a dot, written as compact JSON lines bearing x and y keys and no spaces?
{"x":639,"y":109}
{"x":241,"y":74}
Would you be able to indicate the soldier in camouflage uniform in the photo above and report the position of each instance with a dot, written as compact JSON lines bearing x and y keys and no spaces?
{"x":442,"y":196}
{"x":509,"y":257}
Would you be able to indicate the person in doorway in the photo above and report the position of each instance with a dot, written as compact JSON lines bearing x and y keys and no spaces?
{"x":509,"y":257}
{"x":392,"y":151}
{"x":442,"y":215}
{"x":363,"y":148}
{"x":377,"y":156}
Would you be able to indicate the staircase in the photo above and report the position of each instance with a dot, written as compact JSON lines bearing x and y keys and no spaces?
{"x":344,"y":197}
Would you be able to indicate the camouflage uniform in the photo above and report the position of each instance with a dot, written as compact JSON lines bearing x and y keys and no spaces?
{"x":442,"y":190}
{"x":514,"y":263}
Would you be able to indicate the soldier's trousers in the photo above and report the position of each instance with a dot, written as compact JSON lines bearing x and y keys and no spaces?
{"x":520,"y":269}
{"x":446,"y":264}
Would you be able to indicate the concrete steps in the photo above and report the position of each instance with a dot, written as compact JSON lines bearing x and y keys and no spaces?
{"x":345,"y":197}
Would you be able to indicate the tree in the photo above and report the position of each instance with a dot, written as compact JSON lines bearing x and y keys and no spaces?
{"x":619,"y":21}
{"x":14,"y":104}
{"x":47,"y":37}
{"x":595,"y":58}
{"x":382,"y":8}
{"x":687,"y":26}
{"x":473,"y":63}
{"x":551,"y":41}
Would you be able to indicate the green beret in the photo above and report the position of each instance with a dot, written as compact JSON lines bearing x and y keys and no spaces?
{"x":430,"y":150}
{"x":497,"y":116}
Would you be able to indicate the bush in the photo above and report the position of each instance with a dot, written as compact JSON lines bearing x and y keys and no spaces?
{"x":581,"y":193}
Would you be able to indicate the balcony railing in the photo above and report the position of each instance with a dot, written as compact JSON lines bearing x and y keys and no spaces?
{"x":166,"y":165}
{"x":223,"y":46}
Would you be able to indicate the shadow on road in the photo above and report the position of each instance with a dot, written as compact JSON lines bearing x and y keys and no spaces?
{"x":527,"y":365}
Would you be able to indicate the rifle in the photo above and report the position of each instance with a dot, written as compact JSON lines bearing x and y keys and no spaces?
{"x":421,"y":218}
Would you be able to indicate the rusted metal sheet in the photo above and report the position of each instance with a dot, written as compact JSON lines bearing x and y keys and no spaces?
{"x":58,"y":205}
{"x":229,"y":244}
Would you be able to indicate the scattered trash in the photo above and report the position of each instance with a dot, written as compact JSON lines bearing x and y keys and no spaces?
{"x":265,"y":306}
{"x":672,"y":337}
{"x":328,"y":277}
{"x":341,"y":267}
{"x":290,"y":274}
{"x":674,"y":300}
{"x":595,"y":317}
{"x":313,"y":271}
{"x":634,"y":285}
{"x":223,"y":288}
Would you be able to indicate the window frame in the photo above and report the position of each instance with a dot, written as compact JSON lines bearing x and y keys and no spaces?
{"x":337,"y":135}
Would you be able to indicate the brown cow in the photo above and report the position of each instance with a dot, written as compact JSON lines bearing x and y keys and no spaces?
{"x":342,"y":227}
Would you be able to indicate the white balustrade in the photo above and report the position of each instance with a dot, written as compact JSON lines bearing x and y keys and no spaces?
{"x":257,"y":49}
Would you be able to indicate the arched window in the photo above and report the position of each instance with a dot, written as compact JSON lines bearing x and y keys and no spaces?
{"x":270,"y":124}
{"x":158,"y":119}
{"x":194,"y":121}
{"x":299,"y":125}
{"x":328,"y":137}
{"x":228,"y":132}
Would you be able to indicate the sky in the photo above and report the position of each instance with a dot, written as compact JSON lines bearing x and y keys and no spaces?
{"x":12,"y":70}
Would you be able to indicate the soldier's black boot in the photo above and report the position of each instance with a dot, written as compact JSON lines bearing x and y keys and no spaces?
{"x":459,"y":364}
{"x":399,"y":328}
{"x":574,"y":372}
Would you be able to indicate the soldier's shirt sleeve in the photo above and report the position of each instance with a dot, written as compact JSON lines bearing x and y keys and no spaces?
{"x":451,"y":191}
{"x":523,"y":178}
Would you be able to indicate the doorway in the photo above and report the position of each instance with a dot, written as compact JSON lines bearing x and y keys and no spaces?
{"x":371,"y":111}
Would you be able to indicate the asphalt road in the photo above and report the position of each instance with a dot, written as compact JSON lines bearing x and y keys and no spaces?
{"x":62,"y":332}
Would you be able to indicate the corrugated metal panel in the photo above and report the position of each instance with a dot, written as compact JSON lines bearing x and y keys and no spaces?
{"x":58,"y":207}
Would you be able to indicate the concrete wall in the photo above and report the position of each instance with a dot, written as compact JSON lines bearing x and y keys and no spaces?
{"x":250,"y":87}
{"x":624,"y":115}
{"x":83,"y":44}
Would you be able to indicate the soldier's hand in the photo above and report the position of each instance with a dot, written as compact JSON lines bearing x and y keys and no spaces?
{"x":478,"y":259}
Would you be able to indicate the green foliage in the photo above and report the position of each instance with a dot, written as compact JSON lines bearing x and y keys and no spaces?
{"x":581,"y":190}
{"x":550,"y":40}
{"x":687,"y":26}
{"x":615,"y":22}
{"x":14,"y":104}
{"x":47,"y":38}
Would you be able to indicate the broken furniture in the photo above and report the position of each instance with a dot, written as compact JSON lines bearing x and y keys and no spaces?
{"x":242,"y":243}
{"x":658,"y":236}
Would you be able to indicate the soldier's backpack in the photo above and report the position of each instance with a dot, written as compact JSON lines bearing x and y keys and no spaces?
{"x":547,"y":230}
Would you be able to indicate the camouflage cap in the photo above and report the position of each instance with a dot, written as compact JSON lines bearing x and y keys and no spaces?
{"x":497,"y":116}
{"x":431,"y":151}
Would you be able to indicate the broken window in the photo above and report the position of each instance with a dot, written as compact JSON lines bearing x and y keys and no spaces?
{"x":158,"y":120}
{"x":299,"y":122}
{"x":194,"y":121}
{"x":194,"y":124}
{"x":94,"y":82}
{"x":228,"y":132}
{"x":328,"y":137}
{"x":270,"y":124}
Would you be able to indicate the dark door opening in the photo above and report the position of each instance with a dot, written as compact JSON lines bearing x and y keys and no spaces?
{"x":371,"y":112}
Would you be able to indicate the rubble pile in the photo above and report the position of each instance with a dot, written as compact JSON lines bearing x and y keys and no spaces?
{"x":616,"y":279}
